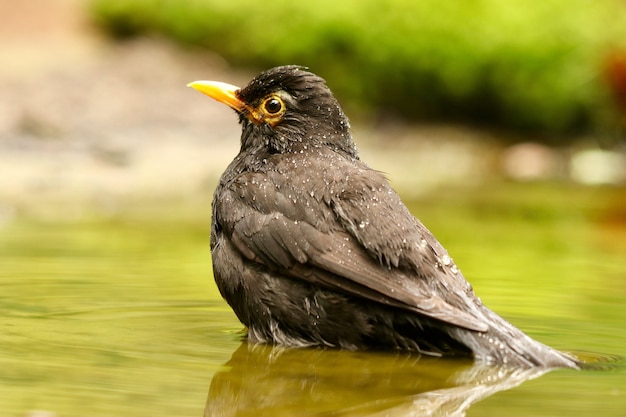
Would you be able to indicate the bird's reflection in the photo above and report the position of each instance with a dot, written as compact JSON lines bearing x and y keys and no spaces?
{"x":261,"y":380}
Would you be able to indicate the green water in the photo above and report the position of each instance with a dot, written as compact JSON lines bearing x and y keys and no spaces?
{"x":119,"y":316}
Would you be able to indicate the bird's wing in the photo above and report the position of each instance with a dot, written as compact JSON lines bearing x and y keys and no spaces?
{"x":332,"y":239}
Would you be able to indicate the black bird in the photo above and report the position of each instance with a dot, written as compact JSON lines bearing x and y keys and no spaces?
{"x":312,"y":247}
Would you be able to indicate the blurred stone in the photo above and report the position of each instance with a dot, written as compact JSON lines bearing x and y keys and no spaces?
{"x":596,"y":166}
{"x":530,"y":161}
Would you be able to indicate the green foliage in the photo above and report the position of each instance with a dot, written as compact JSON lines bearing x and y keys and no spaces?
{"x":525,"y":65}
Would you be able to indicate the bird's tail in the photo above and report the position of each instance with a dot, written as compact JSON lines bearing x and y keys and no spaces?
{"x":504,"y":343}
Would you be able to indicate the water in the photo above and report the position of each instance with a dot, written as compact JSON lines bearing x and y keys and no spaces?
{"x":119,"y":316}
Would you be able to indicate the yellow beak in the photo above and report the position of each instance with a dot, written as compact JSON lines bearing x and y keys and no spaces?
{"x":222,"y":92}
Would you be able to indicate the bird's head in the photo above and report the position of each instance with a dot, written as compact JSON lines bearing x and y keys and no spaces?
{"x":285,"y":109}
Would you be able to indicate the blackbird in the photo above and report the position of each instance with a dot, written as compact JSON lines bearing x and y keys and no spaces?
{"x":312,"y":247}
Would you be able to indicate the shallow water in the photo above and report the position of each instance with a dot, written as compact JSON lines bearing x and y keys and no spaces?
{"x":120,"y":316}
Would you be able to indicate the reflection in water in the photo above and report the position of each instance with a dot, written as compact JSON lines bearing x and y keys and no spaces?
{"x":262,"y":380}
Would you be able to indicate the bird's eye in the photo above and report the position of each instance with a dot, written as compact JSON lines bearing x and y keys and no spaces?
{"x":273,"y":105}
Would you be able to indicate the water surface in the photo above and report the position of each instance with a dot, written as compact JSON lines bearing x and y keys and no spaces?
{"x":119,"y":315}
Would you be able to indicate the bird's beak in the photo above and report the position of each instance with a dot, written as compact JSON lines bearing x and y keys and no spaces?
{"x":222,"y":92}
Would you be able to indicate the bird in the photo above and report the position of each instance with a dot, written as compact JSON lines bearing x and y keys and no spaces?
{"x":313,"y":248}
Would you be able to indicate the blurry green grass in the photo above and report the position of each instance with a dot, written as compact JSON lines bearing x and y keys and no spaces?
{"x":526,"y":65}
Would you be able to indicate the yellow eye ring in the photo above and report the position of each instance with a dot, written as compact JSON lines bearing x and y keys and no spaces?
{"x":273,"y":106}
{"x":269,"y":111}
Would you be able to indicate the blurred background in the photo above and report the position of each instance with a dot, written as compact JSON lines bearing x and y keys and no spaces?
{"x":501,"y":124}
{"x":437,"y":94}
